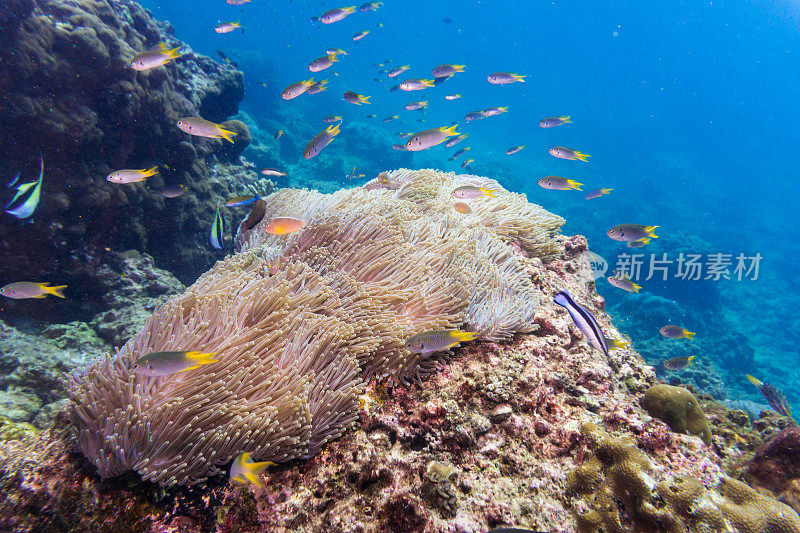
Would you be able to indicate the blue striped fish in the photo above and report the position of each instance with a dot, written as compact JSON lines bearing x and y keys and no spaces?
{"x":27,"y":198}
{"x":218,"y":229}
{"x":584,"y":320}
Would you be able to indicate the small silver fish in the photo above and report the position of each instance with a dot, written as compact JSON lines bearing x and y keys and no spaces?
{"x":296,"y":89}
{"x":204,"y":128}
{"x":562,"y":152}
{"x":413,"y":106}
{"x":446,"y":70}
{"x":22,"y":290}
{"x":321,"y":63}
{"x":676,"y":332}
{"x":429,"y":138}
{"x":557,"y":183}
{"x":460,"y":153}
{"x":552,"y":122}
{"x":335,"y":15}
{"x":332,"y":118}
{"x":355,"y":98}
{"x":597,"y":193}
{"x":154,"y":58}
{"x":638,"y":244}
{"x":360,"y":35}
{"x":504,"y":78}
{"x":452,"y":97}
{"x":436,"y":341}
{"x":414,"y":84}
{"x":678,"y":363}
{"x":397,"y":71}
{"x":492,"y":111}
{"x":131,"y":175}
{"x":470,"y":192}
{"x":370,"y":6}
{"x":515,"y":149}
{"x":227,"y":27}
{"x":624,"y":283}
{"x":455,"y":140}
{"x":467,"y":162}
{"x":473,"y":115}
{"x":174,"y":191}
{"x":157,"y":364}
{"x":272,"y":172}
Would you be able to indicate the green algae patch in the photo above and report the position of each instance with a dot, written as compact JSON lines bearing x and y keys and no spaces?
{"x":679,"y":409}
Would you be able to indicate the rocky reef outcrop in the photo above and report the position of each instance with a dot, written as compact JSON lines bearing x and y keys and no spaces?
{"x":67,"y":92}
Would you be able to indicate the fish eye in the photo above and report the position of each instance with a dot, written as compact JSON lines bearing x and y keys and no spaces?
{"x":135,"y":365}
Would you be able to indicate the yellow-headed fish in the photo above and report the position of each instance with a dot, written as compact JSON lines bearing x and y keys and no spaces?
{"x":244,"y":470}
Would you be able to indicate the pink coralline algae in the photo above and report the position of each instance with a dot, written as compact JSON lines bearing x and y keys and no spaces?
{"x":777,"y":463}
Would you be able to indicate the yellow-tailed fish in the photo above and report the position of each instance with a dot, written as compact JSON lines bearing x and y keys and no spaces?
{"x":452,"y":97}
{"x":157,"y":57}
{"x":676,"y":332}
{"x":617,"y":344}
{"x":227,"y":27}
{"x":597,"y":193}
{"x":493,"y":111}
{"x":129,"y":175}
{"x":677,"y":363}
{"x":335,"y":15}
{"x":174,"y":191}
{"x":467,"y":162}
{"x":296,"y":89}
{"x":204,"y":128}
{"x":514,"y":149}
{"x":318,"y":87}
{"x":435,"y":341}
{"x":320,"y":141}
{"x":623,"y":282}
{"x":557,"y":183}
{"x":22,"y":290}
{"x":360,"y":35}
{"x":429,"y":138}
{"x":415,"y":85}
{"x":552,"y":122}
{"x":244,"y":470}
{"x":562,"y":152}
{"x":398,"y":70}
{"x":355,"y":98}
{"x":321,"y":63}
{"x":504,"y":78}
{"x":165,"y":363}
{"x":26,"y":200}
{"x":446,"y":70}
{"x":632,"y":232}
{"x":470,"y":192}
{"x":370,"y":6}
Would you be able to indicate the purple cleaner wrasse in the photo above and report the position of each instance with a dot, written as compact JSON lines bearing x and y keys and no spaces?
{"x":398,"y":70}
{"x":557,"y":183}
{"x":22,"y":290}
{"x":157,"y":364}
{"x":467,"y":162}
{"x":128,"y":175}
{"x":414,"y":84}
{"x":244,"y":470}
{"x":237,"y":201}
{"x":446,"y":70}
{"x":205,"y":128}
{"x":562,"y":152}
{"x":584,"y":320}
{"x":227,"y":27}
{"x":272,"y":172}
{"x":515,"y":149}
{"x":632,"y":232}
{"x":504,"y":78}
{"x":430,"y":138}
{"x":320,"y":141}
{"x":773,"y":395}
{"x":354,"y":98}
{"x":473,"y":115}
{"x":360,"y":35}
{"x":296,"y":89}
{"x":455,"y":140}
{"x":321,"y":63}
{"x":672,"y":331}
{"x":174,"y":191}
{"x":452,"y":97}
{"x":624,"y":282}
{"x":493,"y":111}
{"x":462,"y":207}
{"x":552,"y":122}
{"x":337,"y":14}
{"x":470,"y":192}
{"x":413,"y":106}
{"x":678,"y":363}
{"x":436,"y":341}
{"x":157,"y":57}
{"x":597,"y":193}
{"x":26,"y":199}
{"x":332,"y":118}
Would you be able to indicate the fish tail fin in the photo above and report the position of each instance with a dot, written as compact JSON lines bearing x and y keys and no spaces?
{"x":309,"y":81}
{"x":334,"y":129}
{"x":566,"y":119}
{"x":574,"y":185}
{"x":333,"y":56}
{"x":504,"y":109}
{"x":428,"y":83}
{"x":755,"y":381}
{"x":606,"y":191}
{"x":449,"y":131}
{"x":227,"y":134}
{"x":635,"y":287}
{"x":150,"y":171}
{"x":582,"y":157}
{"x":459,"y":68}
{"x":55,"y":291}
{"x":464,"y":336}
{"x":519,"y":78}
{"x":688,"y":334}
{"x":651,"y":231}
{"x":363,"y":99}
{"x":175,"y":53}
{"x":238,"y":23}
{"x":689,"y":361}
{"x":645,"y":240}
{"x":201,"y":358}
{"x":489,"y":192}
{"x":350,"y":9}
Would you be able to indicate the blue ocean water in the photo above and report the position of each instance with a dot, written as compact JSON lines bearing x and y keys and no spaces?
{"x":687,"y":109}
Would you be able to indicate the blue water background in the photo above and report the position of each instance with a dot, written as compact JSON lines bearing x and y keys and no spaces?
{"x":688,"y":109}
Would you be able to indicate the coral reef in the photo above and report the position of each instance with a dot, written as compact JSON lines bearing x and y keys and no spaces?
{"x":776,"y":465}
{"x":678,"y":408}
{"x":107,"y":117}
{"x":620,"y":489}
